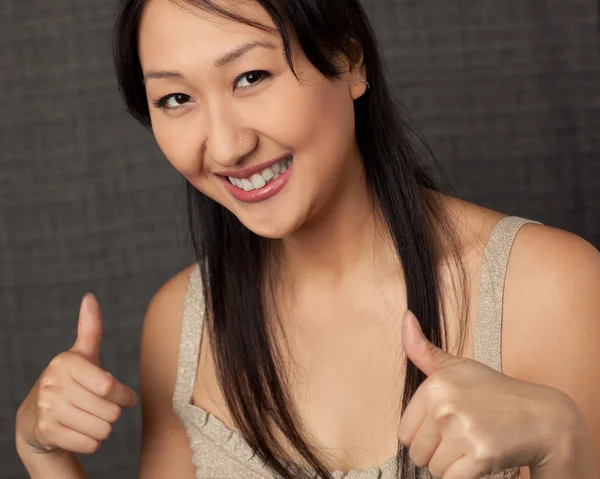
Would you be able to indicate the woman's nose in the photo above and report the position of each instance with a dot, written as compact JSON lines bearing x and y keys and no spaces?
{"x":228,"y":141}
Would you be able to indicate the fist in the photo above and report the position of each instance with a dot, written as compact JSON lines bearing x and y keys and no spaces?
{"x":74,"y":403}
{"x":467,"y":420}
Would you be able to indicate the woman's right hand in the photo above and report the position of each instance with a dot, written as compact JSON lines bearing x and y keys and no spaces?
{"x":74,"y":403}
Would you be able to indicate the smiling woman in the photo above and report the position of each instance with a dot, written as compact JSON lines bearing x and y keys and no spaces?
{"x":316,"y":227}
{"x":208,"y":98}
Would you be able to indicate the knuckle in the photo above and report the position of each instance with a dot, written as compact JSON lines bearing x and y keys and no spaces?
{"x":435,"y":471}
{"x":114,"y":414}
{"x":106,"y":386}
{"x":46,"y":400}
{"x":435,"y":393}
{"x":57,"y":361}
{"x":107,"y":432}
{"x":44,"y":404}
{"x":440,"y":387}
{"x":91,"y":446}
{"x":43,"y":428}
{"x":484,"y":450}
{"x":50,"y":398}
{"x":415,"y":458}
{"x":60,"y":360}
{"x":47,"y":381}
{"x":444,"y":410}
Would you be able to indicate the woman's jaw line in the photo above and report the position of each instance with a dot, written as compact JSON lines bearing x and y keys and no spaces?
{"x":338,"y":240}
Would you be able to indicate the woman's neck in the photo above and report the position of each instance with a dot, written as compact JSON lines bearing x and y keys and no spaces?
{"x":345,"y":240}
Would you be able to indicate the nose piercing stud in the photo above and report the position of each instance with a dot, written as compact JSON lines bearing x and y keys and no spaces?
{"x":239,"y":137}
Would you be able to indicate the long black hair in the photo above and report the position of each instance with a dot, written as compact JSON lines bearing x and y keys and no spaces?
{"x":396,"y":163}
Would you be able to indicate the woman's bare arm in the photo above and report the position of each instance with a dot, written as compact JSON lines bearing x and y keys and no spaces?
{"x":551,"y":325}
{"x":166,"y":451}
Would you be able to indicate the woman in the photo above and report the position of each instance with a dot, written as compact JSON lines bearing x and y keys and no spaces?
{"x":279,"y":353}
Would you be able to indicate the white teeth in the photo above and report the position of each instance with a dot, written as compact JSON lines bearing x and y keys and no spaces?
{"x":258,"y":181}
{"x":267,"y":174}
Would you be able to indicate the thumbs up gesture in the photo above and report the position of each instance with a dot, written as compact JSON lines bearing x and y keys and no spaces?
{"x":467,"y":420}
{"x":74,"y":403}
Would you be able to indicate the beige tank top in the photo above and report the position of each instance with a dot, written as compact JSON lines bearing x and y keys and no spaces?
{"x":220,"y":453}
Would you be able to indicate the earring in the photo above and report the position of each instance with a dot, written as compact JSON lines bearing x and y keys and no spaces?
{"x":366,"y":82}
{"x":239,"y":137}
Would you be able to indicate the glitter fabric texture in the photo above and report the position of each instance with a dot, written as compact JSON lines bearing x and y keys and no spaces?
{"x":219,"y":453}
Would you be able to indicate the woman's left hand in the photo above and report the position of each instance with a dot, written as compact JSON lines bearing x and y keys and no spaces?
{"x":467,"y":420}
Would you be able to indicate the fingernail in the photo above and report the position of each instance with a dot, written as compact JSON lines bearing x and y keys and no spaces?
{"x":88,"y":294}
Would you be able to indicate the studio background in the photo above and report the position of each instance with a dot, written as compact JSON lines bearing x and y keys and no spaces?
{"x":507,"y":93}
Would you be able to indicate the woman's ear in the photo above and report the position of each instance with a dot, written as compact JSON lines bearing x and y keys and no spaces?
{"x":358,"y":82}
{"x":358,"y":88}
{"x":357,"y":72}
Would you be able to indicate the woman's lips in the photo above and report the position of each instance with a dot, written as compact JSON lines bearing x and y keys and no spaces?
{"x":267,"y":191}
{"x":248,"y":172}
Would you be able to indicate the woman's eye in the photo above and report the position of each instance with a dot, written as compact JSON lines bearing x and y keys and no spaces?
{"x":176,"y":101}
{"x":173,"y":101}
{"x":251,"y":78}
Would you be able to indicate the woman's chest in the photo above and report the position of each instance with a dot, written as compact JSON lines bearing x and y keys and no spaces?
{"x":344,"y":364}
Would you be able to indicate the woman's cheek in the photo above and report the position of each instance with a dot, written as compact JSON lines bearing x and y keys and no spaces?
{"x":298,"y":117}
{"x":328,"y":129}
{"x":180,"y":145}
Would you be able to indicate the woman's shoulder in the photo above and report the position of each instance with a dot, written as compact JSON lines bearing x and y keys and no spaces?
{"x":165,"y":309}
{"x":161,"y":333}
{"x":551,"y":298}
{"x":549,"y":269}
{"x":537,"y":249}
{"x":551,"y":295}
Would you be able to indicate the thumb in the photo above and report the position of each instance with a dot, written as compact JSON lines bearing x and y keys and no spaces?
{"x":89,"y":329}
{"x":423,"y":353}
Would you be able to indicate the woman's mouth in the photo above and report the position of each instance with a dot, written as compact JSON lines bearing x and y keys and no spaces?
{"x":267,"y":175}
{"x":263,"y":185}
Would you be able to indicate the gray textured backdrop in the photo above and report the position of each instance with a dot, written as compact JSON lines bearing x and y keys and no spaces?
{"x":507,"y":92}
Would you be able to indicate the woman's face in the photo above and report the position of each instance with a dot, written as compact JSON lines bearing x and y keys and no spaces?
{"x":230,"y":115}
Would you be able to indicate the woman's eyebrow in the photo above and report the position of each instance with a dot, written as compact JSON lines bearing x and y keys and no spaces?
{"x":219,"y":62}
{"x":239,"y":51}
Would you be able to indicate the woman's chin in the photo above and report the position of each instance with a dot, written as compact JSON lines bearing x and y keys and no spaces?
{"x":271,"y":229}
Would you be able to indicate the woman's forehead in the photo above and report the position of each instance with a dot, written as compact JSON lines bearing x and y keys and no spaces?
{"x":169,"y":28}
{"x":197,"y":15}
